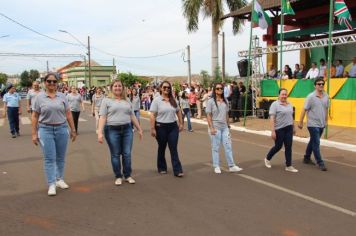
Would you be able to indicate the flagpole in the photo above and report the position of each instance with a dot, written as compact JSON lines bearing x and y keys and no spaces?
{"x":249,"y":62}
{"x":281,"y":38}
{"x":330,"y":50}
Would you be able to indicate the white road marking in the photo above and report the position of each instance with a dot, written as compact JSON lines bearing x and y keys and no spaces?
{"x":292,"y":192}
{"x":300,"y":195}
{"x":25,"y":120}
{"x":81,"y":119}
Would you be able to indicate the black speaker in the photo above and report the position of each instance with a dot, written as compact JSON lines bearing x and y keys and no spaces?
{"x":242,"y":65}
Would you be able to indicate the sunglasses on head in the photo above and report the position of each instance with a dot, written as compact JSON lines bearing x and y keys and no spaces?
{"x":50,"y":81}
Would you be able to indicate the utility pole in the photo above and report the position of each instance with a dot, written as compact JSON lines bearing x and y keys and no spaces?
{"x":47,"y":66}
{"x":89,"y":63}
{"x":189,"y":67}
{"x":223,"y":56}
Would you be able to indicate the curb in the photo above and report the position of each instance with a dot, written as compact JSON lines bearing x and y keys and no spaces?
{"x":323,"y":142}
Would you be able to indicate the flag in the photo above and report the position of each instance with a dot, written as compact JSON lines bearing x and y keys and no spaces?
{"x":343,"y":15}
{"x":287,"y":8}
{"x":260,"y":17}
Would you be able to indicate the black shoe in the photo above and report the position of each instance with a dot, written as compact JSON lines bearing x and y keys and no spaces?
{"x":323,"y":168}
{"x":308,"y":162}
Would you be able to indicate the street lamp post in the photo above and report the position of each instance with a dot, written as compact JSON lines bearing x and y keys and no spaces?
{"x":88,"y":53}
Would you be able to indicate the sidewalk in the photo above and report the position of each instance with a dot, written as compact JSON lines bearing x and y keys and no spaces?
{"x":339,"y":137}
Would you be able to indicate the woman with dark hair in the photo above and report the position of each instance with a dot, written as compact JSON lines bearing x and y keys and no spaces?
{"x":116,"y":115}
{"x":218,"y":122}
{"x":136,"y":103}
{"x":12,"y":107}
{"x":50,"y":115}
{"x":281,"y":113}
{"x":184,"y":105}
{"x":164,"y":112}
{"x":97,"y":99}
{"x":75,"y":102}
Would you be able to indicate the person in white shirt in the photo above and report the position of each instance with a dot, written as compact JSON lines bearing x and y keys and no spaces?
{"x":352,"y":72}
{"x":313,"y":72}
{"x":339,"y":69}
{"x":322,"y":68}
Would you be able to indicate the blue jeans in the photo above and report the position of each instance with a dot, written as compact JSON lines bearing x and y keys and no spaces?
{"x":186,"y":113}
{"x":168,"y":133}
{"x":283,"y":136}
{"x":119,"y":139}
{"x":314,"y":145}
{"x":53,"y":141}
{"x":13,"y":117}
{"x":222,"y":136}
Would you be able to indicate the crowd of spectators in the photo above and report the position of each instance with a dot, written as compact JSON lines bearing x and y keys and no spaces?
{"x":316,"y":71}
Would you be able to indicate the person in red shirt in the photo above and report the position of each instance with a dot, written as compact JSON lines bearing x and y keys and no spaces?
{"x":192,"y":97}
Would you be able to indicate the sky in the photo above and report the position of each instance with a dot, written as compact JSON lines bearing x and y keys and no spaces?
{"x":117,"y":29}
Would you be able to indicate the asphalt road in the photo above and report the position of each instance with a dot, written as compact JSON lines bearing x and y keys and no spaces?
{"x":258,"y":201}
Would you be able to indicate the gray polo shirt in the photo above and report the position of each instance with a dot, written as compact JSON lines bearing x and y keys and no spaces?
{"x":136,"y":103}
{"x":166,"y":113}
{"x":218,"y":113}
{"x":31,"y":96}
{"x":316,"y":109}
{"x":117,"y":112}
{"x":184,"y":103}
{"x":51,"y":111}
{"x":283,"y":114}
{"x":74,"y":101}
{"x":97,"y":100}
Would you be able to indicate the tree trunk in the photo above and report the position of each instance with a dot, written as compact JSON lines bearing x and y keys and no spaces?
{"x":214,"y":47}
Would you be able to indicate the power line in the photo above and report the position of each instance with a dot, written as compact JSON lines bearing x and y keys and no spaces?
{"x":139,"y":57}
{"x":98,"y":49}
{"x":12,"y":54}
{"x":35,"y":31}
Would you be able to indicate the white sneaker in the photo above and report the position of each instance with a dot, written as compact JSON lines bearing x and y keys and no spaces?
{"x":118,"y":181}
{"x":130,"y":180}
{"x":267,"y":163}
{"x":217,"y":170}
{"x":52,"y":190}
{"x":61,"y":184}
{"x":291,"y":169}
{"x":235,"y":169}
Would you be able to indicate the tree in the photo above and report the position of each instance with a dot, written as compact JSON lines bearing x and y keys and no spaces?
{"x":25,"y":80}
{"x":34,"y":74}
{"x":128,"y":79}
{"x":3,"y":78}
{"x":215,"y":10}
{"x":205,"y":78}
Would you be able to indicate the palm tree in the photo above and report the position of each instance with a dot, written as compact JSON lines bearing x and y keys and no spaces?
{"x":215,"y":10}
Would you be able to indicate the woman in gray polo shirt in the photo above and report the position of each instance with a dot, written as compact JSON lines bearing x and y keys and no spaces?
{"x":217,"y":112}
{"x":136,"y":103}
{"x":50,"y":116}
{"x":97,"y":99}
{"x":116,"y":115}
{"x":164,"y":112}
{"x":281,"y":113}
{"x":75,"y":102}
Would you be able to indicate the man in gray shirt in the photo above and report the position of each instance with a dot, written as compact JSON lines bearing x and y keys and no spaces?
{"x":316,"y":106}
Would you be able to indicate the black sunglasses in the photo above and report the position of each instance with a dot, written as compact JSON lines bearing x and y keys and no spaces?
{"x":218,"y":88}
{"x":320,"y":84}
{"x":51,"y":81}
{"x":166,"y":87}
